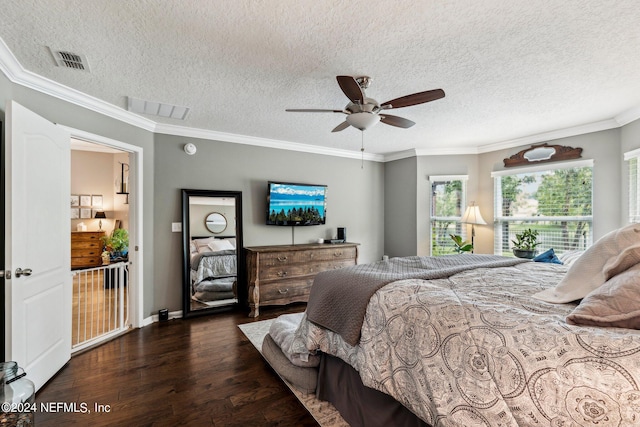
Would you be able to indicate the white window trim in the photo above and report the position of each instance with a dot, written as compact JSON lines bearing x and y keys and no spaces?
{"x":434,"y":178}
{"x":632,"y":174}
{"x":544,"y":167}
{"x":632,"y":154}
{"x":439,"y":178}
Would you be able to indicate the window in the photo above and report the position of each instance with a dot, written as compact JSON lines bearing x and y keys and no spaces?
{"x":555,"y":200}
{"x":634,"y":185}
{"x":447,"y":206}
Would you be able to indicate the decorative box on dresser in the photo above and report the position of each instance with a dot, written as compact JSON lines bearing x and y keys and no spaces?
{"x":86,"y":249}
{"x":282,"y":274}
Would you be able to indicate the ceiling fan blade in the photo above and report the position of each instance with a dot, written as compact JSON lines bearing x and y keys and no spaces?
{"x":414,"y":99}
{"x":351,"y":88}
{"x":312,"y":110}
{"x":396,"y":121}
{"x":341,"y":126}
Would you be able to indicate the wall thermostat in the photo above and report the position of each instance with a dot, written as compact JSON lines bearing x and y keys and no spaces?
{"x":190,"y":149}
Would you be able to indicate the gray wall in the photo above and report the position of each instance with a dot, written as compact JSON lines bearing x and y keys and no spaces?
{"x":355,"y":198}
{"x":400,"y":207}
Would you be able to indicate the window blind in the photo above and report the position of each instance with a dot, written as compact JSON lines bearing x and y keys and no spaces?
{"x":634,"y":185}
{"x":448,"y":195}
{"x":556,"y":202}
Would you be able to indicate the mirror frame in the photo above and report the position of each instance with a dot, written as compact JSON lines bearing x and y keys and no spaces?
{"x":186,"y":259}
{"x":553,"y":153}
{"x":206,"y":222}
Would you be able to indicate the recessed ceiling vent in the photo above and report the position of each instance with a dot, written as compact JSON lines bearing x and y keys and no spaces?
{"x":152,"y":108}
{"x":71,"y":60}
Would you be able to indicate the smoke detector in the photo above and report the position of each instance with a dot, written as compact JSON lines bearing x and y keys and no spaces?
{"x":67,"y":59}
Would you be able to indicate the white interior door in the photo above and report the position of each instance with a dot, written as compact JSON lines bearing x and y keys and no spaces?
{"x":38,"y":306}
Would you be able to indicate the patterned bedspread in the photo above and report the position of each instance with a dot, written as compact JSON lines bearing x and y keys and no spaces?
{"x":474,"y":349}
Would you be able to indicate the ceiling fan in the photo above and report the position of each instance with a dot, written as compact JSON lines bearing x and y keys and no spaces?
{"x":362,"y":112}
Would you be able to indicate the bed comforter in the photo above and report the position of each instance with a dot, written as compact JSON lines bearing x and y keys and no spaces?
{"x":213,"y":265}
{"x":474,"y":349}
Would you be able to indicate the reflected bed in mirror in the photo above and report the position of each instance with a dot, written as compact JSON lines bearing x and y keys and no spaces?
{"x":212,"y":239}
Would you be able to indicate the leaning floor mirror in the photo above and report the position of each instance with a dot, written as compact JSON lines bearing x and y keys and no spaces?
{"x":212,"y":250}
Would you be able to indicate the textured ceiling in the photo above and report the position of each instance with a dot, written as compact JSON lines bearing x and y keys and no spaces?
{"x":510,"y":69}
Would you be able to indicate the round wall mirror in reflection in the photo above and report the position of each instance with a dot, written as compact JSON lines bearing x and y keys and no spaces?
{"x":215,"y":222}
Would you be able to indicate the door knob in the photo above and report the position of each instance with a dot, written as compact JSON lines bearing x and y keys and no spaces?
{"x":25,"y":272}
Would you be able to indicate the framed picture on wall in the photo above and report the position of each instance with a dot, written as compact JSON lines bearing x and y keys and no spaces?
{"x":96,"y":201}
{"x":75,"y":200}
{"x":85,"y":200}
{"x":85,"y":213}
{"x":75,"y":213}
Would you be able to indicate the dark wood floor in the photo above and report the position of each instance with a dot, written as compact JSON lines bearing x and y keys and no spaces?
{"x":199,"y":372}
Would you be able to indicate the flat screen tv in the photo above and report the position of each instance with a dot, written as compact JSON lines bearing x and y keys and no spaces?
{"x":296,"y":204}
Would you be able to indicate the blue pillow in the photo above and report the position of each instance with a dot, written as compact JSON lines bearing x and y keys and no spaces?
{"x":548,"y":256}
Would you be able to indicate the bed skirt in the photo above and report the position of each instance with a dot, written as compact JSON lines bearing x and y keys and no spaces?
{"x":359,"y":405}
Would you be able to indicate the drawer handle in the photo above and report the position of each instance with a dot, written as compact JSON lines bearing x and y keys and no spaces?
{"x":282,"y":273}
{"x":337,"y":253}
{"x":282,"y":258}
{"x":283,"y":291}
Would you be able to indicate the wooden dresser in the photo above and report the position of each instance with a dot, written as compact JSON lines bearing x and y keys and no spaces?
{"x":279,"y":275}
{"x":86,"y":249}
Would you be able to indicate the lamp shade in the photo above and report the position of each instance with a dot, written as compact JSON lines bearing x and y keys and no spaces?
{"x":362,"y":121}
{"x":472,"y":215}
{"x":100,"y":214}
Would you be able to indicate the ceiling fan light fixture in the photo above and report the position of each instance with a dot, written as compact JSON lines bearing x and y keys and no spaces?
{"x":363,"y":121}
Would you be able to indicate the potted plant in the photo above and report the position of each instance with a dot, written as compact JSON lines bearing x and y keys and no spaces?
{"x":460,"y":246}
{"x":525,"y":244}
{"x":117,"y":244}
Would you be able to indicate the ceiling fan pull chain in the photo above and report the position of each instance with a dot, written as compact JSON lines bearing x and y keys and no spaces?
{"x":362,"y":150}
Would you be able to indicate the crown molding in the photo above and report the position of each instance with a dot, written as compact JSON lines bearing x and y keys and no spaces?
{"x":551,"y":135}
{"x":628,"y":116}
{"x":262,"y":142}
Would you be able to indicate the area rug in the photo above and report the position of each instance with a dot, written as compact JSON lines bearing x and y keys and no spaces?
{"x":323,"y":412}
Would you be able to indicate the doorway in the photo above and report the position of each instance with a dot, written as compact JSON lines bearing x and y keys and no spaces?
{"x":99,"y":243}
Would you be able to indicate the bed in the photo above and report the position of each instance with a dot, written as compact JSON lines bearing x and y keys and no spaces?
{"x":213,"y":269}
{"x":475,"y":340}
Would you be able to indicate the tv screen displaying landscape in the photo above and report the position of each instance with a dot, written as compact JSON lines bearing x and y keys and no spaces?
{"x":296,"y":204}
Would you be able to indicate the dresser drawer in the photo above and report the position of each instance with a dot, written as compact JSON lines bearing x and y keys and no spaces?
{"x":86,"y":261}
{"x":286,"y":291}
{"x":88,"y":252}
{"x":86,"y":236}
{"x":304,"y":269}
{"x":84,"y":245}
{"x":303,"y":256}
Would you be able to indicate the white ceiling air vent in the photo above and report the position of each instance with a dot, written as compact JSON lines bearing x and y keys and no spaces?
{"x":152,"y":108}
{"x":71,"y":60}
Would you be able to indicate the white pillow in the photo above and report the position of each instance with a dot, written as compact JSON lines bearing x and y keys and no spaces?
{"x":201,"y":244}
{"x":612,"y":254}
{"x":220,"y":245}
{"x":616,"y":303}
